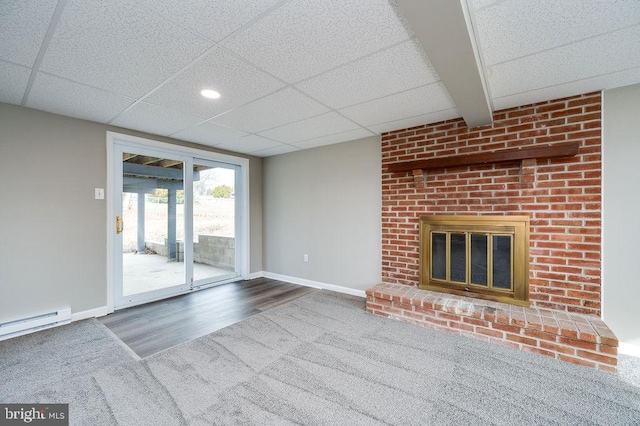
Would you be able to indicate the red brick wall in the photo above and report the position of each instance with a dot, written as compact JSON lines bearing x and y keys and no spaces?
{"x":562,"y":196}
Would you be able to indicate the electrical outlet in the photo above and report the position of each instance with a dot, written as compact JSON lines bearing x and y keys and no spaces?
{"x":305,"y":257}
{"x":99,"y":193}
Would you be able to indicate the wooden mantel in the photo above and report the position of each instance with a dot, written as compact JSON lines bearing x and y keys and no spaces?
{"x":567,"y":149}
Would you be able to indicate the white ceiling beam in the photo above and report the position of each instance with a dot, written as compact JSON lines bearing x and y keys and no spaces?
{"x":445,"y":31}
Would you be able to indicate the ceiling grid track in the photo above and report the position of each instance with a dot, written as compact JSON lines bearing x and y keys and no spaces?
{"x":298,"y":74}
{"x":43,"y":48}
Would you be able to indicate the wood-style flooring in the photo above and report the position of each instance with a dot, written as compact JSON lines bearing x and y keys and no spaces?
{"x":151,"y":328}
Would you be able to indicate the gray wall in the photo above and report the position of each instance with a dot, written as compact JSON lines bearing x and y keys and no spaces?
{"x":325,"y":202}
{"x":621,"y":212}
{"x":52,"y":231}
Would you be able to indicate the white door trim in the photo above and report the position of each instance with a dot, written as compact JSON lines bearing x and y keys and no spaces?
{"x":114,"y":138}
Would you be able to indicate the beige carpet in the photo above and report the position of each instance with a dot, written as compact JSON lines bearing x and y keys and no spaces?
{"x":319,"y":359}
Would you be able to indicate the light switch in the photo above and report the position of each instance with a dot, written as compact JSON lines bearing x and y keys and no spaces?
{"x":99,"y":193}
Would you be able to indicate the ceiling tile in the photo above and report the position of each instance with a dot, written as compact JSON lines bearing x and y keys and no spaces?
{"x":423,"y":100}
{"x":603,"y":82}
{"x":154,"y":119}
{"x":237,"y":81}
{"x":209,"y":133}
{"x":119,"y":46}
{"x":333,"y":139}
{"x":228,"y":16}
{"x":24,"y":26}
{"x":479,"y":4}
{"x":64,"y":97}
{"x":314,"y":127}
{"x":280,"y":108}
{"x":305,"y":38}
{"x":595,"y":56}
{"x":14,"y":82}
{"x":419,"y":120}
{"x":249,"y":144}
{"x":400,"y":68}
{"x":354,"y":64}
{"x":512,"y":29}
{"x":282,"y":149}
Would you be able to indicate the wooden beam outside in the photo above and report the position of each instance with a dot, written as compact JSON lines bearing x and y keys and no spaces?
{"x":169,"y":163}
{"x":151,"y":171}
{"x":142,"y":170}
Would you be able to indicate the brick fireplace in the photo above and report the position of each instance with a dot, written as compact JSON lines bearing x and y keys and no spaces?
{"x":561,"y":196}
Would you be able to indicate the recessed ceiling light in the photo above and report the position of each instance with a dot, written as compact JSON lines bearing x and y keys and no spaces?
{"x":208,"y":93}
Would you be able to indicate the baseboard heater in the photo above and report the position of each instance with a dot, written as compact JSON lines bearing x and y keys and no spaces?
{"x":35,"y":323}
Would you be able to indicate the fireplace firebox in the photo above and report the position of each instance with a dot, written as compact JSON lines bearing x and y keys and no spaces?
{"x":477,"y":256}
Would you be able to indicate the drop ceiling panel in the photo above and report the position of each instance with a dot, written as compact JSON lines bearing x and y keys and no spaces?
{"x":399,"y":68}
{"x":282,"y":149}
{"x":512,"y":29}
{"x":602,"y":82}
{"x":64,"y":97}
{"x":418,"y":120}
{"x":336,"y":138}
{"x":305,"y":38}
{"x":209,"y":133}
{"x":249,"y":144}
{"x":479,"y":4}
{"x":303,"y":72}
{"x":310,"y":128}
{"x":600,"y":55}
{"x":23,"y":27}
{"x":228,"y":16}
{"x":420,"y":101}
{"x":237,"y":81}
{"x":119,"y":46}
{"x":154,"y":119}
{"x":14,"y":82}
{"x":275,"y":110}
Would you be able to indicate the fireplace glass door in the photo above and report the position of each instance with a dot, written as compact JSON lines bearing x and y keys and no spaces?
{"x":472,"y":258}
{"x":479,"y":255}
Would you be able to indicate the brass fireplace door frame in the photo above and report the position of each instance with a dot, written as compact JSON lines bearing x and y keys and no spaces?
{"x":517,"y":226}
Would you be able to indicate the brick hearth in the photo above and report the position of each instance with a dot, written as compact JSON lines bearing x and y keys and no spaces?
{"x":580,"y":339}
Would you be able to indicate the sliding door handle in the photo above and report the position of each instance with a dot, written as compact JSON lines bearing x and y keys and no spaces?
{"x":119,"y":225}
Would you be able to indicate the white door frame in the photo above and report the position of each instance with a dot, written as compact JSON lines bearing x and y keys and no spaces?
{"x":239,"y":215}
{"x":242,"y":198}
{"x":178,"y":287}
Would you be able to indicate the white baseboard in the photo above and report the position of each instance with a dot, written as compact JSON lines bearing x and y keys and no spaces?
{"x":315,"y":284}
{"x":629,"y":349}
{"x":91,"y":313}
{"x":254,"y":275}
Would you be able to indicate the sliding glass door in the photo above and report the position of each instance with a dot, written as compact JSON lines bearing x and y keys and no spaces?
{"x":152,"y":226}
{"x":176,"y":223}
{"x":214,"y":221}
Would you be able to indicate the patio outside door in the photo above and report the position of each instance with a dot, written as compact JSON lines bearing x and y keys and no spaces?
{"x":213,"y":244}
{"x":175,"y":224}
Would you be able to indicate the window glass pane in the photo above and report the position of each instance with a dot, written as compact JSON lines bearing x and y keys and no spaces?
{"x":458,"y":258}
{"x":479,"y":259}
{"x":214,"y":255}
{"x":438,"y":256}
{"x":502,"y":261}
{"x":153,"y":217}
